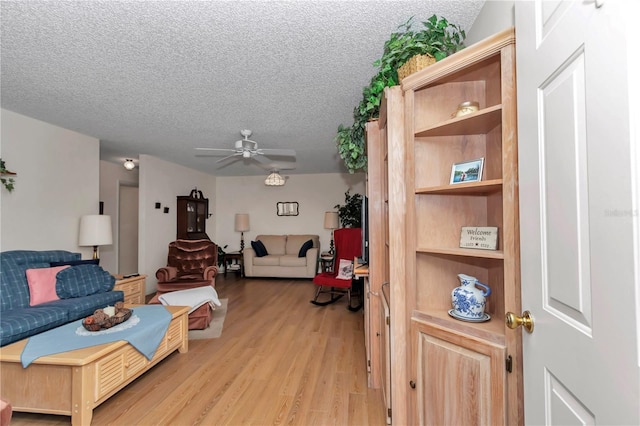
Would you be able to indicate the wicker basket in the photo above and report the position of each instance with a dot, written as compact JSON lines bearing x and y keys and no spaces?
{"x":121,"y":316}
{"x":415,"y":63}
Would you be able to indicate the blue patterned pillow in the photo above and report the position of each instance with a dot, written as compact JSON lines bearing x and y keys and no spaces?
{"x":83,"y":280}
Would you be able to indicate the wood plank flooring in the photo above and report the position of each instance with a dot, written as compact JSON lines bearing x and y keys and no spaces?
{"x":280,"y":361}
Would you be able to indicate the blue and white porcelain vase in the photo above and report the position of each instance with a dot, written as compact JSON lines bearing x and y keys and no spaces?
{"x":469,"y":301}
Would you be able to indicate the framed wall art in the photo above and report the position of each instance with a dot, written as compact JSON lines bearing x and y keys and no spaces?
{"x":287,"y":208}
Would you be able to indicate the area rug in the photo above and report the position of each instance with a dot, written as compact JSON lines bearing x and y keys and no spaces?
{"x":215,"y":327}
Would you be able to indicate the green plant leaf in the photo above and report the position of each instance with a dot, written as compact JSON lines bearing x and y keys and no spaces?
{"x":437,"y":37}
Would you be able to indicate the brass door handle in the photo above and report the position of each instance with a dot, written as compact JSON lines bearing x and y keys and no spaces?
{"x":514,"y":321}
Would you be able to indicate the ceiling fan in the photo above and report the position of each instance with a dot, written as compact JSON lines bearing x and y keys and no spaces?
{"x":246,"y":148}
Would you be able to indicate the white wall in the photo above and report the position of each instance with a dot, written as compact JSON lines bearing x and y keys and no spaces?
{"x":111,"y":175}
{"x":57,"y":183}
{"x":161,"y":181}
{"x":494,"y":17}
{"x":315,"y":193}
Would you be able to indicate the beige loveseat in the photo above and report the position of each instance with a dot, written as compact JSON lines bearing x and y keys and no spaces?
{"x":282,"y":259}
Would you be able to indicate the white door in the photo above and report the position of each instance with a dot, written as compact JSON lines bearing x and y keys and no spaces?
{"x":579,"y":214}
{"x":128,"y":229}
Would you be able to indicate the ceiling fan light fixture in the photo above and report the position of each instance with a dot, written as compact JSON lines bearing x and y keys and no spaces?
{"x":274,"y":179}
{"x":129,"y":164}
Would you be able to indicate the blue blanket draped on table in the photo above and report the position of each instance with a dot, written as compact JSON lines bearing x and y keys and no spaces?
{"x":144,"y":336}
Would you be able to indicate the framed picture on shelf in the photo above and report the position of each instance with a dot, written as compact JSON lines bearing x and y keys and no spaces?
{"x":469,"y":171}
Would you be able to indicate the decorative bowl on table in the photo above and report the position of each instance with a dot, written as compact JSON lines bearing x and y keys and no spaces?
{"x":107,"y":317}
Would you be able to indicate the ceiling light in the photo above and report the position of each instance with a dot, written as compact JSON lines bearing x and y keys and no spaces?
{"x":274,"y":179}
{"x":129,"y":164}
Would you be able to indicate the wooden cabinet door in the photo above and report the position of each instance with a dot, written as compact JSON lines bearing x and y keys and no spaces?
{"x":460,"y":379}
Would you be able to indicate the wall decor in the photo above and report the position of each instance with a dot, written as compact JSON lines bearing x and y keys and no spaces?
{"x":166,"y":209}
{"x":157,"y":205}
{"x":468,"y":171}
{"x":287,"y":208}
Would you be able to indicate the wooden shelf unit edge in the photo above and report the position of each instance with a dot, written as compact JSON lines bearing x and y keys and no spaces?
{"x":491,"y":331}
{"x":479,"y":188}
{"x":462,"y":59}
{"x":479,"y":122}
{"x":463,"y":252}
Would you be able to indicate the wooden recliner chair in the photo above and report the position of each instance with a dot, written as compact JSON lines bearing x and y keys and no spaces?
{"x":348,"y":245}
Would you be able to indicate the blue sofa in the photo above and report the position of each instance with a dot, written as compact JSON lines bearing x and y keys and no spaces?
{"x":87,"y":288}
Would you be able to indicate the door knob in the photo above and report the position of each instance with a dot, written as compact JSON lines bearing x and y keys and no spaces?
{"x":514,"y":321}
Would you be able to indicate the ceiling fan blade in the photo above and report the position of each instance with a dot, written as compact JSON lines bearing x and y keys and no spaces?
{"x":229,"y":156}
{"x":276,"y":166}
{"x":215,"y":149}
{"x":281,"y":152}
{"x":260,"y":158}
{"x":211,"y":154}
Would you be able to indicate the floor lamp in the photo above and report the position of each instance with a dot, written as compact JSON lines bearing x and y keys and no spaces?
{"x":242,"y":225}
{"x":331,"y":222}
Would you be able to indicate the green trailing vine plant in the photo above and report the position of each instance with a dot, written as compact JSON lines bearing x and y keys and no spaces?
{"x":6,"y":177}
{"x":438,"y":38}
{"x":350,"y":214}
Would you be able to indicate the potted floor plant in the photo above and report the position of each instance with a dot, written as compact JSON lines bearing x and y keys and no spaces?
{"x":350,"y":214}
{"x":437,"y":38}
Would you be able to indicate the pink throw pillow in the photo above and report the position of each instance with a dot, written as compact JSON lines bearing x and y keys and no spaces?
{"x":42,"y":284}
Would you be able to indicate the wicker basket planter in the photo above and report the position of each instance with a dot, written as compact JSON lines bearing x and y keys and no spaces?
{"x":414,"y":64}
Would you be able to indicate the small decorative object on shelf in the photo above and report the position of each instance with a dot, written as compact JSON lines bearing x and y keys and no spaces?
{"x":469,"y":171}
{"x":468,"y":301}
{"x":465,"y":108}
{"x":479,"y":237}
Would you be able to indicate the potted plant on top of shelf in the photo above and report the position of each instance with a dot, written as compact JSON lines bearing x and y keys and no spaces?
{"x":438,"y":38}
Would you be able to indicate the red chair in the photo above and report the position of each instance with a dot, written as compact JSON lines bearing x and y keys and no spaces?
{"x":348,"y":244}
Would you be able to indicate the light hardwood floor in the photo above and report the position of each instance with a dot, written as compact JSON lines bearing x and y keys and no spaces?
{"x":280,"y":360}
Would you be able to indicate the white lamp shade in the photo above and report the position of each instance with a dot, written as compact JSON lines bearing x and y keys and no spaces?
{"x":242,"y":222}
{"x":331,"y":220}
{"x":95,"y":230}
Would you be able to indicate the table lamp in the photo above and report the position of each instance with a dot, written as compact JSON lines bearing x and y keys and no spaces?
{"x":331,"y":221}
{"x":242,"y":225}
{"x":95,"y":230}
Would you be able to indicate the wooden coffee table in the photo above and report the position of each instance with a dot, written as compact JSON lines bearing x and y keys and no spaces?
{"x":74,"y":383}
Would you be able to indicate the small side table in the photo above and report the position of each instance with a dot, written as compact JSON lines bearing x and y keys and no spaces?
{"x":326,"y":262}
{"x":133,"y":288}
{"x":233,"y":260}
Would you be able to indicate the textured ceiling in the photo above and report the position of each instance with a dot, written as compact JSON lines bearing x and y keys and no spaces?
{"x":164,"y":77}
